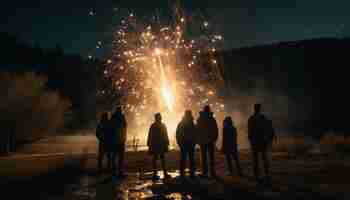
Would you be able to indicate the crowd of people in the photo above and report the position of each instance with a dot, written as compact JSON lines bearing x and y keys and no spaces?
{"x":204,"y":131}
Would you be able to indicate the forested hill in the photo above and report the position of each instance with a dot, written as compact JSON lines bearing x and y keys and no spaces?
{"x":312,"y":73}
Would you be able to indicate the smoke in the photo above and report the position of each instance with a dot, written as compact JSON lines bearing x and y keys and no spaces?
{"x":276,"y":105}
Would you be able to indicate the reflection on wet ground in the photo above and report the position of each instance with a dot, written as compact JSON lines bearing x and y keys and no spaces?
{"x":137,"y":186}
{"x":84,"y":188}
{"x":141,"y":186}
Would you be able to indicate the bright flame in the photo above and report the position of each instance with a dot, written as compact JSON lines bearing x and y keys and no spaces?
{"x":165,"y":88}
{"x":167,"y":96}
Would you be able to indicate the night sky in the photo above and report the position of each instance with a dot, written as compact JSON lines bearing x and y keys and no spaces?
{"x":242,"y":22}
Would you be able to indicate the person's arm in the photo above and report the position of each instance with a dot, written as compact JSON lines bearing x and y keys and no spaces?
{"x":273,"y":132}
{"x":235,"y":136}
{"x":224,"y":140}
{"x":216,"y":130}
{"x":178,"y":136}
{"x":124,"y":129}
{"x":125,"y":124}
{"x":98,"y":132}
{"x":166,"y":135}
{"x":149,"y":137}
{"x":250,"y":129}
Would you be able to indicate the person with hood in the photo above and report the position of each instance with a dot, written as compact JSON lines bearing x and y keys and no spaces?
{"x":260,"y":134}
{"x":207,"y":135}
{"x":101,"y":132}
{"x":117,"y":139}
{"x":185,"y":137}
{"x":158,"y":144}
{"x":229,"y":144}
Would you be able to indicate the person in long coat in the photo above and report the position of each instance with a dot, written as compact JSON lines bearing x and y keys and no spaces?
{"x":207,"y":136}
{"x":260,"y":134}
{"x":101,"y":132}
{"x":229,"y":145}
{"x":116,"y":140}
{"x":186,"y":139}
{"x":158,"y":144}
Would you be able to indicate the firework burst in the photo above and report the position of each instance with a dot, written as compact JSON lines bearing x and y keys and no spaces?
{"x":158,"y":67}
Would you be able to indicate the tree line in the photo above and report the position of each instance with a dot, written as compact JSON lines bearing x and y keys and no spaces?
{"x":43,"y":90}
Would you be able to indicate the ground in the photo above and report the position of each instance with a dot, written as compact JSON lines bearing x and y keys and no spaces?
{"x":61,"y":174}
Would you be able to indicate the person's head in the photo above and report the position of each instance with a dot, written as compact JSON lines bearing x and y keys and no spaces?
{"x":117,"y":112}
{"x":257,"y":108}
{"x":228,"y":121}
{"x":104,"y":117}
{"x":118,"y":109}
{"x":207,"y":109}
{"x":188,"y":115}
{"x":158,"y":117}
{"x":200,"y":114}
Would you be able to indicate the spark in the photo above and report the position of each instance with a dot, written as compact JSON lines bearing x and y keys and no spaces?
{"x":218,"y":37}
{"x":157,"y":51}
{"x":159,"y":69}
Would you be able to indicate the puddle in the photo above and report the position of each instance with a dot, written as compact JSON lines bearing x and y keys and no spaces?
{"x":140,"y":186}
{"x":137,"y":186}
{"x":84,"y":188}
{"x":148,"y":175}
{"x":178,"y":196}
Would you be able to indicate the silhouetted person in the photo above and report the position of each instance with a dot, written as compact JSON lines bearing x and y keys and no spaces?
{"x":229,"y":144}
{"x":158,"y":144}
{"x":260,"y":137}
{"x":12,"y":139}
{"x":101,"y":132}
{"x":207,"y":135}
{"x":185,"y":137}
{"x":117,"y":139}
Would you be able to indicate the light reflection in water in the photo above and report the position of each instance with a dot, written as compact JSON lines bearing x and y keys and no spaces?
{"x":142,"y":188}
